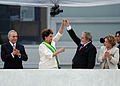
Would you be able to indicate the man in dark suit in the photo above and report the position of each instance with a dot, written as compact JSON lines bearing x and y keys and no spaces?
{"x":117,"y":35}
{"x":12,"y":53}
{"x":86,"y":51}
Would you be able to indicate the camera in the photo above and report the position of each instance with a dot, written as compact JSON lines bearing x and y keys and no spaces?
{"x":55,"y":10}
{"x":102,"y":40}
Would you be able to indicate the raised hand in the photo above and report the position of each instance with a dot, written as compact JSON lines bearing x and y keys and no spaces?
{"x":66,"y":23}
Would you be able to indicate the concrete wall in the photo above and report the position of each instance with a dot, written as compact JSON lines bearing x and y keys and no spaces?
{"x":68,"y":77}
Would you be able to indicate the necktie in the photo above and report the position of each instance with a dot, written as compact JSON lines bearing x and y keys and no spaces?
{"x":81,"y":47}
{"x":14,"y":46}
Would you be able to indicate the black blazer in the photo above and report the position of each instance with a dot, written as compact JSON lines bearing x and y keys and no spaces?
{"x":119,"y":56}
{"x":9,"y":61}
{"x":85,"y":57}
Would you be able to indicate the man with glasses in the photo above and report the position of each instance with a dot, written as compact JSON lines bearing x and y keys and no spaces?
{"x":117,"y":35}
{"x":13,"y":53}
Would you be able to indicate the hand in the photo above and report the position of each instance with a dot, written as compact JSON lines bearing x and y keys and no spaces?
{"x":14,"y":51}
{"x":18,"y":52}
{"x":62,"y":49}
{"x":108,"y":55}
{"x":66,"y":23}
{"x":103,"y":57}
{"x":58,"y":51}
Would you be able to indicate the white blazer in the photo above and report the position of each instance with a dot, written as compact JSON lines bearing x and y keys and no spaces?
{"x":47,"y":61}
{"x":114,"y":52}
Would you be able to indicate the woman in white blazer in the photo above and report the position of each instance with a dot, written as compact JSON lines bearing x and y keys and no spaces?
{"x":48,"y":59}
{"x":108,"y":55}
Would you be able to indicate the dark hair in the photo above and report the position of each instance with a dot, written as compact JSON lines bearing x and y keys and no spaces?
{"x":118,"y":32}
{"x":102,"y":40}
{"x":46,"y":33}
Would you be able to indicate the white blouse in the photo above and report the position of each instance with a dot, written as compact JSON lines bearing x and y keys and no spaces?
{"x":47,"y":61}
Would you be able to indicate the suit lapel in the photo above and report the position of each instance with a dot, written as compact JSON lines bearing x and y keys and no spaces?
{"x":9,"y":46}
{"x":85,"y":47}
{"x":17,"y":46}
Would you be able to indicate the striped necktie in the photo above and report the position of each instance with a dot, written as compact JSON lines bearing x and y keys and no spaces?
{"x":81,"y":47}
{"x":14,"y":46}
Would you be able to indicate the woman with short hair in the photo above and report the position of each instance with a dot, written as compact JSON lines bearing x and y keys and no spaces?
{"x":47,"y":49}
{"x":108,"y":55}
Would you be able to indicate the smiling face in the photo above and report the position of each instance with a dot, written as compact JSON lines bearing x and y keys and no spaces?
{"x":110,"y":41}
{"x":13,"y":37}
{"x":83,"y":39}
{"x":107,"y":44}
{"x":49,"y":38}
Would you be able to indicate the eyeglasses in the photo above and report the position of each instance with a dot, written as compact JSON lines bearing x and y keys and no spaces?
{"x":14,"y":36}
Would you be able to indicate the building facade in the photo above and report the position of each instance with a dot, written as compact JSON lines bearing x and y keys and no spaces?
{"x":29,"y":21}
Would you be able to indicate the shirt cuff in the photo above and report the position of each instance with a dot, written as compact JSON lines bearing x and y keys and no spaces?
{"x":12,"y":55}
{"x":19,"y":56}
{"x":69,"y":28}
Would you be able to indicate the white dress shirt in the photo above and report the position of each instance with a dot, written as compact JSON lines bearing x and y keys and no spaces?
{"x":47,"y":61}
{"x":13,"y":45}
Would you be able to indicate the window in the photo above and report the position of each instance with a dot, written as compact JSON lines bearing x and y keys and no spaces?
{"x":27,"y":21}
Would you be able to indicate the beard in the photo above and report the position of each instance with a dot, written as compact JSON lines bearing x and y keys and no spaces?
{"x":82,"y":42}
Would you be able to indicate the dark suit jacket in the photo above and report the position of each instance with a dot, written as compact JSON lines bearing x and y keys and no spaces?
{"x":9,"y":61}
{"x":119,"y":56}
{"x":84,"y":58}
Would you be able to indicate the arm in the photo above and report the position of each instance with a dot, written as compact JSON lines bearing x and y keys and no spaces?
{"x":91,"y":57}
{"x":58,"y":51}
{"x":101,"y":57}
{"x":62,"y":27}
{"x":72,"y":33}
{"x":24,"y":56}
{"x":59,"y":34}
{"x":44,"y":52}
{"x":115,"y":59}
{"x":5,"y":57}
{"x":74,"y":37}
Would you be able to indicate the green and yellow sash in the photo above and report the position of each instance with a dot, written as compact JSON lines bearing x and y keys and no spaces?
{"x":53,"y":50}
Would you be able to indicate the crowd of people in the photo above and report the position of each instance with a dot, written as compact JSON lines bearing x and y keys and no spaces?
{"x":13,"y":53}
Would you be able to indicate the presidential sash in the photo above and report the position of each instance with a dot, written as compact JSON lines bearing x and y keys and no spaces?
{"x":53,"y":50}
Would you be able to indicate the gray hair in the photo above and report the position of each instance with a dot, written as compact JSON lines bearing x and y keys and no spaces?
{"x":88,"y":35}
{"x":9,"y":33}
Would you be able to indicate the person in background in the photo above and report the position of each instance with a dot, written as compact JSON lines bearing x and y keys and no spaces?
{"x":117,"y":35}
{"x":86,"y":51}
{"x":108,"y":55}
{"x":47,"y":50}
{"x":13,"y":53}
